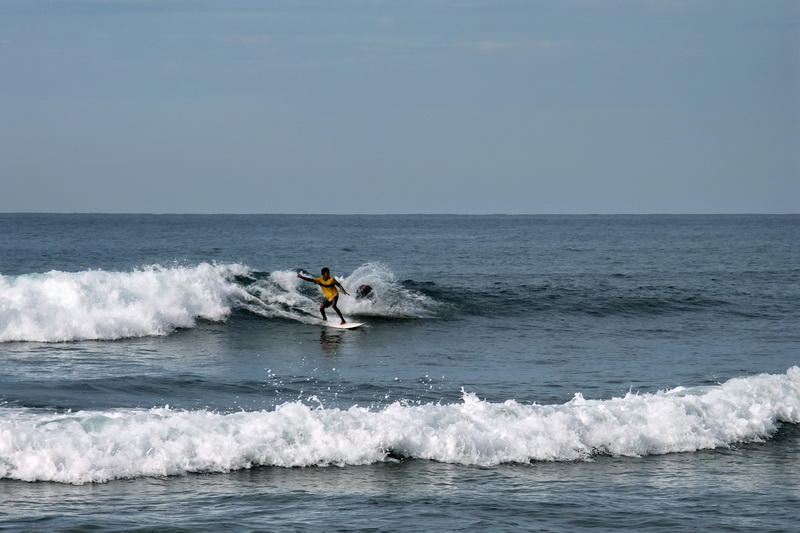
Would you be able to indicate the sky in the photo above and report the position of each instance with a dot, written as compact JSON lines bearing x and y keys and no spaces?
{"x":400,"y":106}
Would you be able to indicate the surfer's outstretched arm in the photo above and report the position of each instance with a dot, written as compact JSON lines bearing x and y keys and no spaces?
{"x":342,"y":287}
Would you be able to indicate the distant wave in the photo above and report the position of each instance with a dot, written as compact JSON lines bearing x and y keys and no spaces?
{"x":155,"y":300}
{"x":97,"y":446}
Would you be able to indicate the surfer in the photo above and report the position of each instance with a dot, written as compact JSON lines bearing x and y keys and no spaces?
{"x":329,"y":285}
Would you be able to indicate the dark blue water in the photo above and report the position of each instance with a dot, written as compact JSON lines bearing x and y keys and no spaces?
{"x":537,"y":373}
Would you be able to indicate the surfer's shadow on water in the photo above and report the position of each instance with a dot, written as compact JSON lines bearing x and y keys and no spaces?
{"x":330,"y":341}
{"x":331,"y":338}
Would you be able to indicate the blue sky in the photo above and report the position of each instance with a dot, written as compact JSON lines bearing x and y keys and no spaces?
{"x":408,"y":106}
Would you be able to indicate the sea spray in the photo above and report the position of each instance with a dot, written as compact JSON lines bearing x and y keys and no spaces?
{"x":97,"y":446}
{"x":389,"y":297}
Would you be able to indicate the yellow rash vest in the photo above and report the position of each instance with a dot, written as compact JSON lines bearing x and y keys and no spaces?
{"x":328,"y":287}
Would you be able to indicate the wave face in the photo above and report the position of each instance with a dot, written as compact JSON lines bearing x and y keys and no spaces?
{"x":155,"y":300}
{"x":97,"y":446}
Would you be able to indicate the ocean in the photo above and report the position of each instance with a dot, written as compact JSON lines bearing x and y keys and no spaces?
{"x":514,"y":373}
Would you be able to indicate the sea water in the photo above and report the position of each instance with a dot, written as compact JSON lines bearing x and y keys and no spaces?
{"x":516,"y":373}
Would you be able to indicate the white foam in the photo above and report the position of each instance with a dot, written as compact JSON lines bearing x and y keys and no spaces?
{"x":66,"y":306}
{"x":280,"y":295}
{"x":96,"y":446}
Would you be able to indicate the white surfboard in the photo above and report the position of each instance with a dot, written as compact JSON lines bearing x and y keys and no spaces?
{"x":348,"y":325}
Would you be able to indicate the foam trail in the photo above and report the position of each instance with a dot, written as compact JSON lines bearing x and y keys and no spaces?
{"x":97,"y":446}
{"x":101,"y":305}
{"x":281,"y":295}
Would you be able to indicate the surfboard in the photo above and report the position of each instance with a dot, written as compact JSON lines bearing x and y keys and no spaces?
{"x":349,"y":325}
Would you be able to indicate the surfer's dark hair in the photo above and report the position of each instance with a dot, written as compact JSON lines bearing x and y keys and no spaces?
{"x":324,"y":270}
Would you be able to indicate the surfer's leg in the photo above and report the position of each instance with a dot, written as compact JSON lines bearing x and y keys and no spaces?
{"x":340,"y":314}
{"x":335,"y":308}
{"x":322,"y":307}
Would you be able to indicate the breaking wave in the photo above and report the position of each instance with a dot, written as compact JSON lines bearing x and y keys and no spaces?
{"x":155,"y":300}
{"x":98,"y":446}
